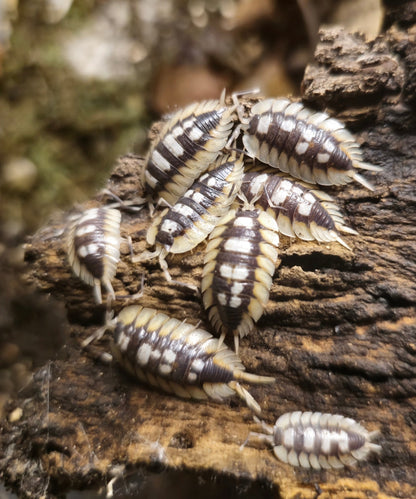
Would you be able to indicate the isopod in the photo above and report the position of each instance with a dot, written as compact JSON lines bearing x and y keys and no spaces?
{"x":309,"y":145}
{"x":196,"y":213}
{"x":239,"y":264}
{"x":191,"y":139}
{"x":179,"y":358}
{"x":317,"y":440}
{"x":93,"y":248}
{"x":300,"y":210}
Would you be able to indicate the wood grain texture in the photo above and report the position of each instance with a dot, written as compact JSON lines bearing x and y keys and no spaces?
{"x":339,"y":332}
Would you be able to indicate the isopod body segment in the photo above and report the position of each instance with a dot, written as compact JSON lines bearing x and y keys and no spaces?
{"x":93,"y":247}
{"x":189,"y":142}
{"x":309,"y":145}
{"x":300,"y":211}
{"x":320,"y":441}
{"x":179,"y":358}
{"x":239,"y":264}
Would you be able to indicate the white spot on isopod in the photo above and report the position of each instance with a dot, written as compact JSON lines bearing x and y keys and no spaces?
{"x":301,"y":148}
{"x":322,"y":157}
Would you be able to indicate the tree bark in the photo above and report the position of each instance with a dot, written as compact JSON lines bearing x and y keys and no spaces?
{"x":338,"y":334}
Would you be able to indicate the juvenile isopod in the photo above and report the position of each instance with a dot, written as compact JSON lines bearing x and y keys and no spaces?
{"x":300,"y":210}
{"x":191,"y":139}
{"x":309,"y":145}
{"x":195,"y":214}
{"x":93,"y":248}
{"x":239,"y":264}
{"x":179,"y":358}
{"x":317,"y":440}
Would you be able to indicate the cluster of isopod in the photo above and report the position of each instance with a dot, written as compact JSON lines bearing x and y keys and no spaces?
{"x":229,"y":175}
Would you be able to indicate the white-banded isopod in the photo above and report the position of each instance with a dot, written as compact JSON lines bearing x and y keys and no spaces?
{"x":300,"y":210}
{"x":196,"y":213}
{"x":239,"y":264}
{"x":93,"y":248}
{"x":179,"y":358}
{"x":189,"y":142}
{"x":317,"y":440}
{"x":309,"y":145}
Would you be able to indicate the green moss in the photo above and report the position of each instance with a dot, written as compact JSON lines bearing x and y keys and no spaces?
{"x":72,"y":129}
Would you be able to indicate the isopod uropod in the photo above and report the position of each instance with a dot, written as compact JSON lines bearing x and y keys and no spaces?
{"x":179,"y":358}
{"x":317,"y":440}
{"x":196,"y":213}
{"x":93,"y":248}
{"x":309,"y":145}
{"x":239,"y":264}
{"x":189,"y":142}
{"x":300,"y":210}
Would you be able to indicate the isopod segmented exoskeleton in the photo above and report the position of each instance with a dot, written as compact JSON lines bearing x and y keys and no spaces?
{"x":317,"y":440}
{"x":93,"y":248}
{"x":309,"y":145}
{"x":189,"y":142}
{"x":300,"y":211}
{"x":239,"y":264}
{"x":179,"y":358}
{"x":196,"y":213}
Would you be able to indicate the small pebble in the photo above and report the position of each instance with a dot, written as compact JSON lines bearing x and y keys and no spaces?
{"x":9,"y":353}
{"x":15,"y":415}
{"x":56,"y":10}
{"x":20,"y":174}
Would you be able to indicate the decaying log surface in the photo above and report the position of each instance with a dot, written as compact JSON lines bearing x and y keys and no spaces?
{"x":339,"y":333}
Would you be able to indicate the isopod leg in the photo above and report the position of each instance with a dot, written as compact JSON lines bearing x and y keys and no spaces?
{"x":261,"y":437}
{"x":246,"y":396}
{"x":133,"y":205}
{"x":164,"y":266}
{"x":145,"y":256}
{"x":97,"y":292}
{"x":110,"y":323}
{"x":221,"y":340}
{"x":153,"y":207}
{"x":109,"y":288}
{"x":129,"y":242}
{"x":233,"y":137}
{"x":134,"y":296}
{"x":236,"y":342}
{"x":264,"y":426}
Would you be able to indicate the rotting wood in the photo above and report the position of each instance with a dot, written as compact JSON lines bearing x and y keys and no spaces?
{"x":339,"y":333}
